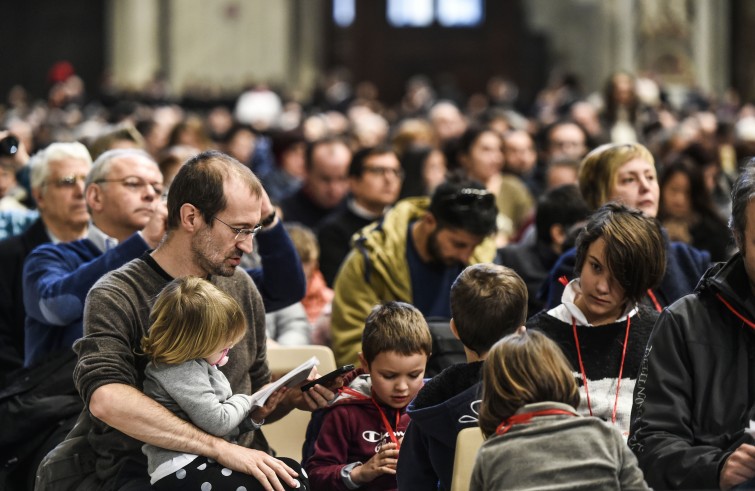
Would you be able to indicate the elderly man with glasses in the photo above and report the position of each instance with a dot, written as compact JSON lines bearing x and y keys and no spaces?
{"x":122,"y":193}
{"x":412,"y":255}
{"x":63,"y":217}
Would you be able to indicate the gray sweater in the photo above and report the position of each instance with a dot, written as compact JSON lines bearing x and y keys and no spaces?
{"x":198,"y":392}
{"x":116,"y":316}
{"x":557,"y":452}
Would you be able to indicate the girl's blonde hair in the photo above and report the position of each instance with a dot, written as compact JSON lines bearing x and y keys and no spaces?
{"x":192,"y":319}
{"x":598,"y":170}
{"x":523,"y":368}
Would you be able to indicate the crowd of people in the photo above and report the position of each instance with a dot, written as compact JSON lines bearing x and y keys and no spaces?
{"x":589,"y":254}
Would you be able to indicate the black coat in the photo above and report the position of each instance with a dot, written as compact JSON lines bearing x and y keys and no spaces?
{"x":696,"y":387}
{"x":13,"y":252}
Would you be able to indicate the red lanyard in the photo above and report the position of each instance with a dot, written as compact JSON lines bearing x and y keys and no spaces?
{"x":387,"y":425}
{"x":526,"y":417}
{"x":584,"y":376}
{"x":654,"y":300}
{"x":383,"y":417}
{"x":733,"y":311}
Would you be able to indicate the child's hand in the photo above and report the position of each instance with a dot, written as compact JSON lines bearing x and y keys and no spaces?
{"x":383,"y":462}
{"x":270,"y":405}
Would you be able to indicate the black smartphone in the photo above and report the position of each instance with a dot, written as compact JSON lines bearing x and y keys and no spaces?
{"x":327,"y":378}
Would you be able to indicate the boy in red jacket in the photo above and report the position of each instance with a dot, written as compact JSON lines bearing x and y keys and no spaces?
{"x":358,"y":444}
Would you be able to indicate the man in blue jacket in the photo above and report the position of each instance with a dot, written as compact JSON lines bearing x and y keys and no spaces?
{"x":122,"y":192}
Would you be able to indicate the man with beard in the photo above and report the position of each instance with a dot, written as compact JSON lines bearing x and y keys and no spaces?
{"x":215,"y":207}
{"x":412,"y":255}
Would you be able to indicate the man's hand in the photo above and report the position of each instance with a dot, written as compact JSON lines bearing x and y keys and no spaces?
{"x":266,"y":208}
{"x":154,"y":231}
{"x":318,"y":396}
{"x":739,"y":467}
{"x":383,"y":462}
{"x":268,"y":470}
{"x":270,"y":404}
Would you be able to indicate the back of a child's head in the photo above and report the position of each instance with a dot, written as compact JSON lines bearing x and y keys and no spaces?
{"x":191,"y":319}
{"x":523,"y":368}
{"x":397,"y":327}
{"x":304,"y":241}
{"x":488,"y":302}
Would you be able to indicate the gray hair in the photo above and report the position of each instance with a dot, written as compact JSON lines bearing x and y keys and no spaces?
{"x":741,"y":195}
{"x":101,"y":166}
{"x":40,"y":162}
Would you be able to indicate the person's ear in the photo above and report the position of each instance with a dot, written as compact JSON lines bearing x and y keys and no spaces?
{"x":190,"y":217}
{"x":94,"y":197}
{"x":429,"y":220}
{"x":454,"y":331}
{"x":363,"y":363}
{"x":558,"y":234}
{"x":38,"y":196}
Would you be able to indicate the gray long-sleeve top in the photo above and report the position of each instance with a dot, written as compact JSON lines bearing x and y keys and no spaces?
{"x":198,"y":392}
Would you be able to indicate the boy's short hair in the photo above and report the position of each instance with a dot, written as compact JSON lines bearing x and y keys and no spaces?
{"x":488,"y":301}
{"x":395,"y":326}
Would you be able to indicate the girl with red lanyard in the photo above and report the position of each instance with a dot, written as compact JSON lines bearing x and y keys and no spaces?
{"x":600,"y":325}
{"x":535,"y":437}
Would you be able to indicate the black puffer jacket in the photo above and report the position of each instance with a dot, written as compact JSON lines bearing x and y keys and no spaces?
{"x":696,"y":386}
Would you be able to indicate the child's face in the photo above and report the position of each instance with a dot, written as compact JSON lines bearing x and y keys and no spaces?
{"x":396,"y":378}
{"x":219,"y":357}
{"x":601,"y":297}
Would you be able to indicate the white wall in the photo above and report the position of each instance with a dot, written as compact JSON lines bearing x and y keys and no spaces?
{"x":223,"y":43}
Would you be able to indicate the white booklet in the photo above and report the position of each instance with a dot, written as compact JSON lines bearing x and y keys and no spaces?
{"x":290,"y":380}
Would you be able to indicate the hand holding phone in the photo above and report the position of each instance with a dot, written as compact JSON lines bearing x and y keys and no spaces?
{"x":328,"y":377}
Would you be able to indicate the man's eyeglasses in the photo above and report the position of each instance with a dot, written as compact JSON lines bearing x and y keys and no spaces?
{"x":68,"y":181}
{"x":468,"y":197}
{"x":242,"y":233}
{"x":383,"y":171}
{"x":135,"y":183}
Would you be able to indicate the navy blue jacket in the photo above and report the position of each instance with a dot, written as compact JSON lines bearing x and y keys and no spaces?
{"x":446,"y":404}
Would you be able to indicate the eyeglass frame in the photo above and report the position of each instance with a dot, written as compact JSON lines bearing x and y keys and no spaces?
{"x":247,"y":232}
{"x":158,"y":188}
{"x":384,"y":171}
{"x":68,"y":181}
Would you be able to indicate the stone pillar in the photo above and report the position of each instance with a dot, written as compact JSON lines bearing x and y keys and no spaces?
{"x":132,"y":53}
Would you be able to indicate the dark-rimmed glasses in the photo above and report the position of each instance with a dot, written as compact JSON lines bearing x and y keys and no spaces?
{"x":383,"y":171}
{"x":242,"y":233}
{"x":135,"y":183}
